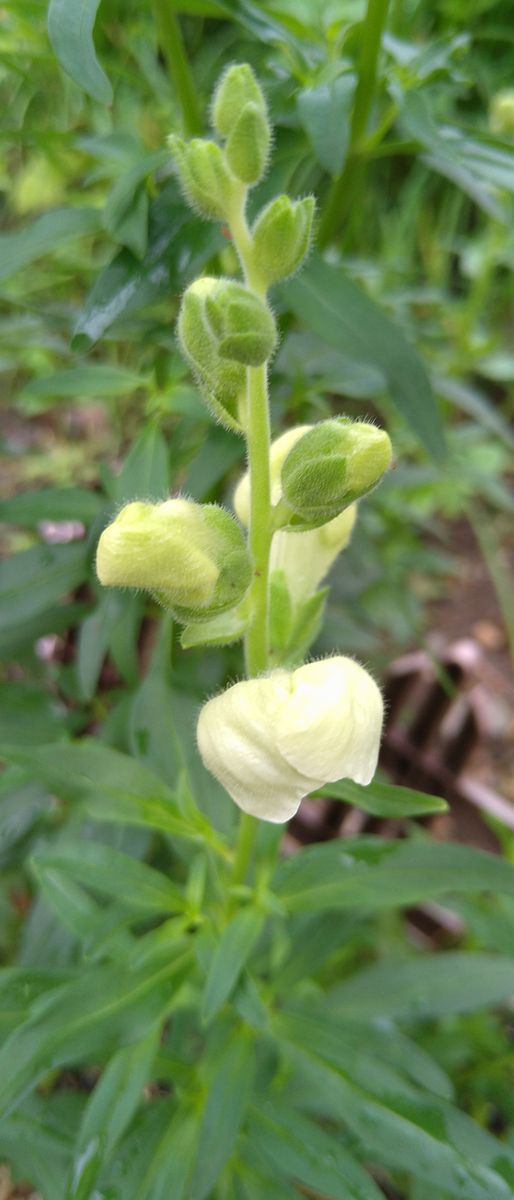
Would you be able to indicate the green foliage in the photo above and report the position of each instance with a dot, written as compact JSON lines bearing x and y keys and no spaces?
{"x":232,"y":1029}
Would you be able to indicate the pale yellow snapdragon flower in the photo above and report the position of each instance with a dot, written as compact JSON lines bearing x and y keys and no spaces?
{"x":271,"y":741}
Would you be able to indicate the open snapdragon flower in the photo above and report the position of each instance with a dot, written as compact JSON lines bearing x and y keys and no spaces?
{"x":271,"y":741}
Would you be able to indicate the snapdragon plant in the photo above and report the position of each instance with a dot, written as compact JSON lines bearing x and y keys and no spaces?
{"x":208,"y":998}
{"x":288,"y":729}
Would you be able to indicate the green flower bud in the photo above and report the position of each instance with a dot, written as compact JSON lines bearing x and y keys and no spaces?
{"x":241,"y":323}
{"x":281,"y":237}
{"x":502,"y":112}
{"x":191,"y":557}
{"x":333,"y":465}
{"x":203,"y":175}
{"x":248,"y":144}
{"x":223,"y":382}
{"x":236,"y":88}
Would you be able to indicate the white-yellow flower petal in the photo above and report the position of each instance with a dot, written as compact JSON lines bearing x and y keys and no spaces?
{"x":272,"y":740}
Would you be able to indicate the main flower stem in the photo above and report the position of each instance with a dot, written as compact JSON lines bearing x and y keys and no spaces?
{"x":256,"y":641}
{"x":261,"y":530}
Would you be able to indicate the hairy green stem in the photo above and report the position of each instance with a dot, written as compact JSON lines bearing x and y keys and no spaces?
{"x":343,"y":192}
{"x":261,"y":526}
{"x":170,"y":38}
{"x":256,"y":642}
{"x":246,"y":835}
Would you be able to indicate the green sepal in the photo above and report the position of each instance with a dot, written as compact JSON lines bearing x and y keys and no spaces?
{"x":280,"y":613}
{"x":308,"y":622}
{"x":223,"y":630}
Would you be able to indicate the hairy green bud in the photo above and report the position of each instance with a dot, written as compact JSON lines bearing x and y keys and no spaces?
{"x":191,"y":557}
{"x":222,"y":382}
{"x":248,"y":144}
{"x":203,"y":175}
{"x":236,"y":88}
{"x":502,"y":112}
{"x":241,"y":323}
{"x":282,"y":236}
{"x":332,"y":465}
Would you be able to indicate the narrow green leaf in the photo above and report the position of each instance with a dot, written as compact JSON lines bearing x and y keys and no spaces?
{"x":384,"y":799}
{"x":19,"y":988}
{"x":314,"y":938}
{"x":109,"y":1111}
{"x":375,"y":1056}
{"x":51,"y":504}
{"x":37,"y":1142}
{"x":342,"y":315}
{"x":100,"y":1010}
{"x":178,"y":247}
{"x":113,"y":786}
{"x":45,"y":235}
{"x":96,"y":926}
{"x":109,"y":871}
{"x":145,"y":474}
{"x":29,"y":714}
{"x":93,"y":641}
{"x":325,"y":115}
{"x":158,"y":1154}
{"x":301,"y":1150}
{"x":431,"y":986}
{"x":225,"y":1109}
{"x":70,"y":29}
{"x":368,"y":874}
{"x":415,"y":1140}
{"x":87,"y":380}
{"x":232,"y":952}
{"x":33,"y":581}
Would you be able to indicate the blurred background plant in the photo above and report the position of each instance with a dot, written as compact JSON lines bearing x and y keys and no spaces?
{"x":400,"y":119}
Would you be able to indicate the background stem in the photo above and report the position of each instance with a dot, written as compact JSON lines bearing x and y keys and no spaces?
{"x":171,"y":41}
{"x":342,"y":196}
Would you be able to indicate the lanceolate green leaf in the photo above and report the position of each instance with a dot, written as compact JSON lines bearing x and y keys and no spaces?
{"x":368,"y":874}
{"x":51,"y":504}
{"x":230,"y":956}
{"x":384,"y":799}
{"x":132,"y":883}
{"x":301,"y":1150}
{"x":88,"y":379}
{"x":330,"y":304}
{"x":325,"y":115}
{"x":430,"y":986}
{"x":225,"y":1109}
{"x":100,"y":1009}
{"x":33,"y":581}
{"x":115,"y":785}
{"x":48,"y":232}
{"x":109,"y":1110}
{"x":70,"y":29}
{"x":414,"y":1139}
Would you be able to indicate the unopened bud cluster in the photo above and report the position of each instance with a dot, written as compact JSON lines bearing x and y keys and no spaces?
{"x":225,"y":327}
